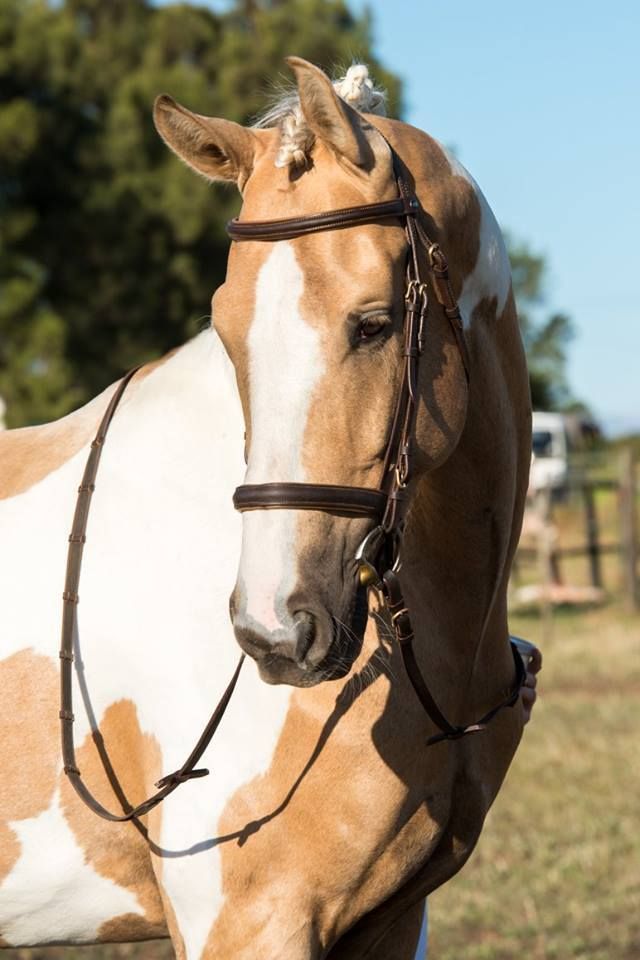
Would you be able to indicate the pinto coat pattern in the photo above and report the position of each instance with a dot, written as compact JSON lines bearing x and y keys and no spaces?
{"x":325,"y":820}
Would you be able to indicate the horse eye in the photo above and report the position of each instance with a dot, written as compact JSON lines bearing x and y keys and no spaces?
{"x":369,"y":327}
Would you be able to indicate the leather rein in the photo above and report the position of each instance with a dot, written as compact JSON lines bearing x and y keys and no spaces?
{"x":69,"y":651}
{"x":387,"y":505}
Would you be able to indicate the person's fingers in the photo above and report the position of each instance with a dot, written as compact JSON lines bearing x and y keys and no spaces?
{"x":528,"y":691}
{"x":535,"y":663}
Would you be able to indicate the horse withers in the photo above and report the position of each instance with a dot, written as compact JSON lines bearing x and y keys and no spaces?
{"x":326,"y":818}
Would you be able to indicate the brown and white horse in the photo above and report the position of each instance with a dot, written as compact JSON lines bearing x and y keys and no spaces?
{"x":325,"y":820}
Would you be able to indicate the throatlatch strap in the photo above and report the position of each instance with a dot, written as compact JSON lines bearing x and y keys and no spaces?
{"x":77,"y":540}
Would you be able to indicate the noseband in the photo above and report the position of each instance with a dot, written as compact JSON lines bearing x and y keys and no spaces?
{"x":388,"y":505}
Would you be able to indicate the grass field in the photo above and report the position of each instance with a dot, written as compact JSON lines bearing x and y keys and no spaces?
{"x":557,"y":871}
{"x":556,"y":874}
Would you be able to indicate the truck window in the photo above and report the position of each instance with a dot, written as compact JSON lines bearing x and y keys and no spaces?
{"x":542,"y":442}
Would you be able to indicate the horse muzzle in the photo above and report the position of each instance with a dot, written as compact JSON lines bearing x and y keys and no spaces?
{"x":308,"y":647}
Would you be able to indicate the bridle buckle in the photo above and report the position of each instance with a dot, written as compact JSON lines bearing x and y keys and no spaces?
{"x":366,"y":555}
{"x":417,"y":301}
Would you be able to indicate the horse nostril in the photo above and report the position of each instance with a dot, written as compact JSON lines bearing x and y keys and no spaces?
{"x":305,"y":633}
{"x":253,"y":642}
{"x":289,"y":643}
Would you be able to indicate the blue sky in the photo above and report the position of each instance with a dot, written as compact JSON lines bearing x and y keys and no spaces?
{"x":542,"y":103}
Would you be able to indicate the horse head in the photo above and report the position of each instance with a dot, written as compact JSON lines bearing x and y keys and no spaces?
{"x":313,"y":325}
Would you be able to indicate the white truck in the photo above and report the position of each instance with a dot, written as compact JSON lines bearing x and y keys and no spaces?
{"x":550,"y":452}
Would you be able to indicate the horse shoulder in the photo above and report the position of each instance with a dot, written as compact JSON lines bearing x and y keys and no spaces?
{"x":108,"y":889}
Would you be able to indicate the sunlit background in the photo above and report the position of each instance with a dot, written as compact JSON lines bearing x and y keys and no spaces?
{"x":541,"y":100}
{"x":109,"y":252}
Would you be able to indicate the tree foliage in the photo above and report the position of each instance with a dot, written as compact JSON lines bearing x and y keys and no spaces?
{"x":109,"y":249}
{"x":545,"y":340}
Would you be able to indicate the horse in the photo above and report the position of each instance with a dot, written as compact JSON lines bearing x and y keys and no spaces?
{"x":326,"y":818}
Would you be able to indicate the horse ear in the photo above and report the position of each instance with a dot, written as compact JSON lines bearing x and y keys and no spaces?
{"x":329,"y":116}
{"x":218,"y":149}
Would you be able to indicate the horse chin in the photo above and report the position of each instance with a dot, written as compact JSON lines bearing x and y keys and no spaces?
{"x":280,"y":670}
{"x":345,"y":648}
{"x":336,"y":664}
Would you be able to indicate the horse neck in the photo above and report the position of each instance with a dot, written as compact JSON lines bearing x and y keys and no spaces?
{"x":465,"y":522}
{"x":162,"y":515}
{"x":182,"y":418}
{"x":163,"y":535}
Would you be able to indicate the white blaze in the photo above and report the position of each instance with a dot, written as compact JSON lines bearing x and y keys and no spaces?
{"x":285,"y":365}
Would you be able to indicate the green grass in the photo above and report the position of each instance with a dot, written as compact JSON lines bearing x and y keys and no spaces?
{"x":556,"y":874}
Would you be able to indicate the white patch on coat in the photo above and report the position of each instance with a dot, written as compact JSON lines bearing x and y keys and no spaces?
{"x":48,"y":898}
{"x":163,"y":544}
{"x":491,"y":275}
{"x":285,"y":366}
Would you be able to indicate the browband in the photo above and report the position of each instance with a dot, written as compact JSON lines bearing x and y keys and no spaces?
{"x":290,"y":227}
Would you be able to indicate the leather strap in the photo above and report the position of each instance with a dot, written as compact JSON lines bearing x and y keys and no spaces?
{"x":401,"y":623}
{"x":328,"y":497}
{"x":291,"y":227}
{"x":77,"y":540}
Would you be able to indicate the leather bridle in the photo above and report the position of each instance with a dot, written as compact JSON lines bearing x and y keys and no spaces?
{"x":387,"y":506}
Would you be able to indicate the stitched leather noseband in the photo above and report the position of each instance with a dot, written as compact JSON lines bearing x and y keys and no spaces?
{"x":388,"y":505}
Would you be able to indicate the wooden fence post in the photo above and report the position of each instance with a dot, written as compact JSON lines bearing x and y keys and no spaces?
{"x":629,"y":530}
{"x":591,"y":531}
{"x":545,"y":562}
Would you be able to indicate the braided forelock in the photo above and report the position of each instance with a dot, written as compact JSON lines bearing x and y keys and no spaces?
{"x":296,"y":139}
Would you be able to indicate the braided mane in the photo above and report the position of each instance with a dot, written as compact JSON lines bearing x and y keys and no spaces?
{"x":296,"y":139}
